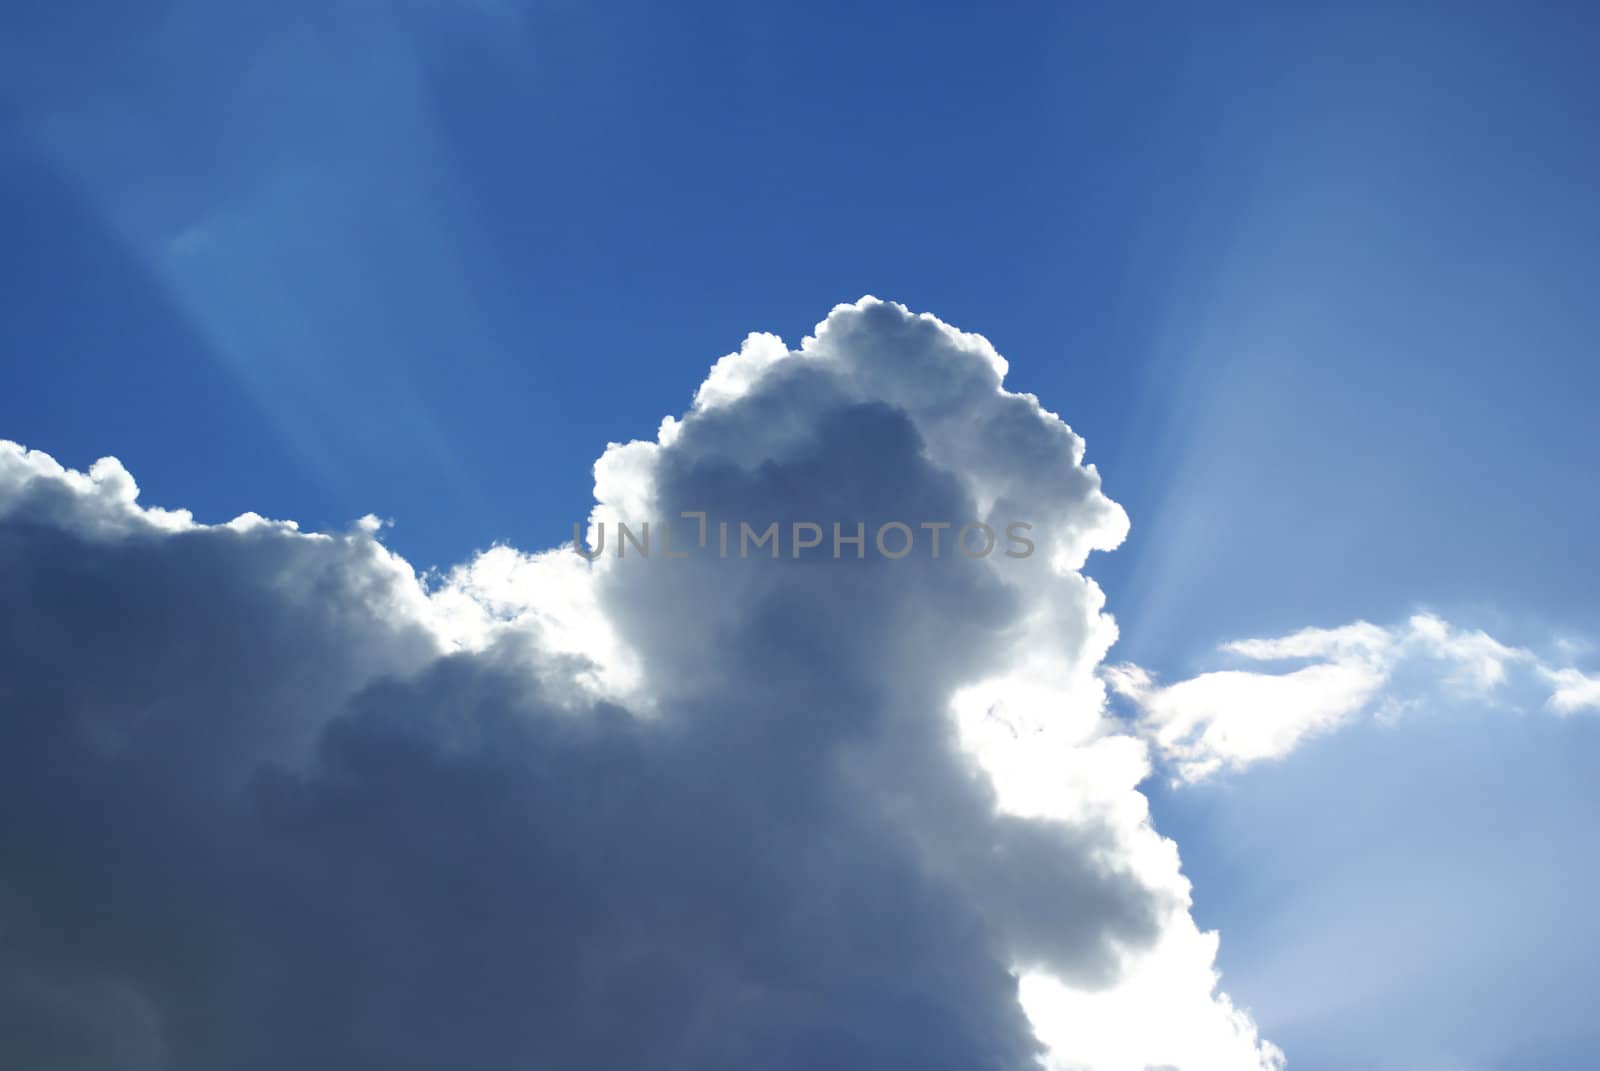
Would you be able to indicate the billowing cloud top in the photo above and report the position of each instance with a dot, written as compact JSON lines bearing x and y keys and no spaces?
{"x":271,"y":800}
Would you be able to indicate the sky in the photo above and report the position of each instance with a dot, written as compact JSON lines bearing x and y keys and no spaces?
{"x":1313,"y":289}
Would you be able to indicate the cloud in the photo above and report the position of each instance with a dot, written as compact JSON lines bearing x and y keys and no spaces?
{"x":271,"y":799}
{"x":1231,"y":718}
{"x":1574,"y":690}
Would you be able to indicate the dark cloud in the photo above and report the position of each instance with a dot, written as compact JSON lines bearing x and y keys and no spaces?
{"x":260,"y":807}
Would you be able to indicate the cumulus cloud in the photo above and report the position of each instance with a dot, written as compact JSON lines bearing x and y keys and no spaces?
{"x":272,"y":800}
{"x":1231,"y":718}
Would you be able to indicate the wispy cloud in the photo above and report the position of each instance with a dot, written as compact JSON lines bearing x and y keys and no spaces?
{"x":1231,"y":718}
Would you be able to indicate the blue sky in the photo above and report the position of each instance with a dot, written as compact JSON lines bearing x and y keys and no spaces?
{"x":1315,"y":286}
{"x":384,"y":255}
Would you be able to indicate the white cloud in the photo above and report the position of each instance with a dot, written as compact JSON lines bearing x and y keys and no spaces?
{"x":1230,"y":718}
{"x":1574,"y":690}
{"x":689,"y":814}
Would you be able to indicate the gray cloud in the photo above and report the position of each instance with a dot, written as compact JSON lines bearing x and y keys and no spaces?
{"x":268,"y":800}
